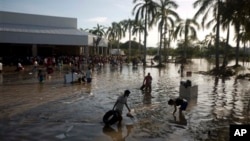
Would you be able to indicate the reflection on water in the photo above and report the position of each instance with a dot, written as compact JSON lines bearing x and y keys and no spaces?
{"x":1,"y":78}
{"x":54,"y":110}
{"x":118,"y":133}
{"x":181,"y":119}
{"x":147,"y":97}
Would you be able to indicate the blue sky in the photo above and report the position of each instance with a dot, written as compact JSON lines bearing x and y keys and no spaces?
{"x":89,"y":13}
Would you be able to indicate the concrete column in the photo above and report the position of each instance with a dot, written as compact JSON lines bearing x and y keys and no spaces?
{"x":86,"y":51}
{"x":34,"y":50}
{"x":102,"y":51}
{"x":106,"y":51}
{"x":80,"y":50}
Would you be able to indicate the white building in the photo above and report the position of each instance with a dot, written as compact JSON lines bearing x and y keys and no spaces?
{"x":32,"y":35}
{"x":117,"y":52}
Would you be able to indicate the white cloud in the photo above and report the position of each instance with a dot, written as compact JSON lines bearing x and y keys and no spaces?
{"x":98,"y":20}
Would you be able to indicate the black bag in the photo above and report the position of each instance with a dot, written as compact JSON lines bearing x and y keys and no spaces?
{"x":142,"y":87}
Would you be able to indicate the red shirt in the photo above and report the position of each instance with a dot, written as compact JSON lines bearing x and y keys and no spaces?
{"x":148,"y":80}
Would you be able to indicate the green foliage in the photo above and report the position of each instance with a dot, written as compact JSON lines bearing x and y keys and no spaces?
{"x":193,"y":50}
{"x":137,"y":49}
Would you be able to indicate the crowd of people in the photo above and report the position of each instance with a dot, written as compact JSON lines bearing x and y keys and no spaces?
{"x":45,"y":66}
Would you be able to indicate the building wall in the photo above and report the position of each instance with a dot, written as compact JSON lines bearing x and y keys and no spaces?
{"x":38,"y":38}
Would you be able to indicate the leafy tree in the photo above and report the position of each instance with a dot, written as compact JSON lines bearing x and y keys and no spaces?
{"x":239,"y":18}
{"x":115,"y":32}
{"x":188,"y":29}
{"x":146,"y":10}
{"x":138,"y":29}
{"x":207,"y":7}
{"x":128,"y":26}
{"x":99,"y":32}
{"x":166,"y":17}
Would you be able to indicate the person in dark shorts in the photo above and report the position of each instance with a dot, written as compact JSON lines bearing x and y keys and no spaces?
{"x":89,"y":75}
{"x":178,"y":102}
{"x":41,"y":76}
{"x":147,"y":81}
{"x":120,"y":102}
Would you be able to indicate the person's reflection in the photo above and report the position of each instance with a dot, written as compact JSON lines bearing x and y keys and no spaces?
{"x":147,"y":97}
{"x":88,"y":88}
{"x":1,"y":78}
{"x":40,"y":87}
{"x":182,"y":120}
{"x":182,"y":70}
{"x":116,"y":135}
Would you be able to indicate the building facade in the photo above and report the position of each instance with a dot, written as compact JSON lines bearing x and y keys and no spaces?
{"x":39,"y":35}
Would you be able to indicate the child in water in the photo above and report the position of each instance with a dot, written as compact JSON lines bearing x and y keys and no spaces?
{"x":178,"y":102}
{"x":41,"y":76}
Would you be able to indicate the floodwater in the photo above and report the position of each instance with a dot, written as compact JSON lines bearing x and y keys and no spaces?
{"x":56,"y":111}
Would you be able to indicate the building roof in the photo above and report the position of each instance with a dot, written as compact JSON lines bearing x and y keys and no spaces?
{"x":39,"y":29}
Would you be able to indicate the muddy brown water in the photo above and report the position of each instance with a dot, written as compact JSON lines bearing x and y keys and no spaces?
{"x":57,"y":111}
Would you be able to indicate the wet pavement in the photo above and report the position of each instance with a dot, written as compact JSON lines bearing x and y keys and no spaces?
{"x":57,"y":111}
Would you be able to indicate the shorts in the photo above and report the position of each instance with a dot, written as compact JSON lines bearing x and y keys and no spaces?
{"x":184,"y":105}
{"x":89,"y":80}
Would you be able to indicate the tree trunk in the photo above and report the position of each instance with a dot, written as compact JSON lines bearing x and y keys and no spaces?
{"x":185,"y":43}
{"x":217,"y":63}
{"x":129,"y":58}
{"x":145,"y":39}
{"x":160,"y":61}
{"x":237,"y":45}
{"x":226,"y":49}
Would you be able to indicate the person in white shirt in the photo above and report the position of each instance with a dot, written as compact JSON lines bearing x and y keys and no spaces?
{"x":1,"y":67}
{"x":120,"y":102}
{"x":89,"y":75}
{"x":19,"y":67}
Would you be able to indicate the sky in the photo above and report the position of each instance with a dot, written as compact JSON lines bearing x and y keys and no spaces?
{"x":89,"y":13}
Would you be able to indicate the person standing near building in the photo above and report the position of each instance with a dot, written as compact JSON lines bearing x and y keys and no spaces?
{"x":35,"y":65}
{"x":1,"y":67}
{"x":19,"y":67}
{"x":89,"y":75}
{"x":41,"y":75}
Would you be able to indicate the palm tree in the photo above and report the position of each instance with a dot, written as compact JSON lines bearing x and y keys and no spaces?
{"x":110,"y":34}
{"x":244,"y":37}
{"x":116,"y":32}
{"x":128,"y":25}
{"x":138,"y":29}
{"x":239,"y":19}
{"x":99,"y":32}
{"x":145,"y":9}
{"x":225,"y":21}
{"x":206,"y":7}
{"x":166,"y":17}
{"x":209,"y":42}
{"x":188,"y":29}
{"x":120,"y":33}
